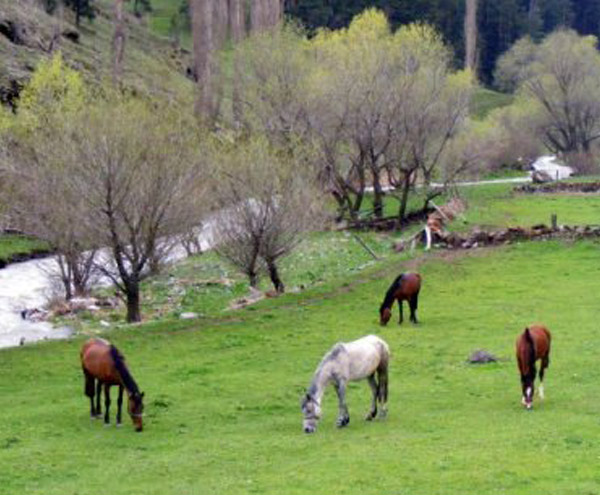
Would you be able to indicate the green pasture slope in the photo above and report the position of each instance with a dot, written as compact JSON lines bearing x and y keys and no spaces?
{"x":223,"y":417}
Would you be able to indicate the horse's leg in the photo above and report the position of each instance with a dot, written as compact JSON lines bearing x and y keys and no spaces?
{"x":90,"y":391}
{"x":382,"y":393}
{"x":119,"y":405}
{"x":374,"y":389}
{"x":414,"y":303}
{"x":545,"y":363}
{"x":401,"y":315}
{"x":344,"y":417}
{"x":98,"y":411}
{"x":106,"y":404}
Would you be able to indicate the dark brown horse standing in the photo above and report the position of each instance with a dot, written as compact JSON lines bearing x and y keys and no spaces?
{"x":532,"y":344}
{"x":406,"y":287}
{"x":104,"y":365}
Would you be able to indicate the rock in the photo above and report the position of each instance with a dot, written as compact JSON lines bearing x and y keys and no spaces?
{"x":482,"y":357}
{"x":540,"y":177}
{"x":188,"y":316}
{"x":34,"y":315}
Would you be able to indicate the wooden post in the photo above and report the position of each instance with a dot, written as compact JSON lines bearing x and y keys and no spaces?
{"x":367,"y":248}
{"x":554,"y":221}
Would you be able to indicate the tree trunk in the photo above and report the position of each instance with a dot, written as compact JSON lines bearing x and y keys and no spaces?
{"x":471,"y":35}
{"x":201,"y":12}
{"x":377,"y":194}
{"x":132,"y":294}
{"x":118,"y":42}
{"x":256,"y":15}
{"x":221,"y":22}
{"x":274,"y":276}
{"x":237,"y":29}
{"x":404,"y":199}
{"x":253,"y":279}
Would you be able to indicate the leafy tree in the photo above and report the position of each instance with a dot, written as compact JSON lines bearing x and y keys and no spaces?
{"x":558,"y":83}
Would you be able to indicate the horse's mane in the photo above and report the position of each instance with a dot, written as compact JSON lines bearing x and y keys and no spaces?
{"x":332,"y":355}
{"x":119,"y":361}
{"x":530,"y":352}
{"x":389,"y":295}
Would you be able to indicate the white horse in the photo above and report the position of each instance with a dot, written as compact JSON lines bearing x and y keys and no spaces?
{"x":346,"y":362}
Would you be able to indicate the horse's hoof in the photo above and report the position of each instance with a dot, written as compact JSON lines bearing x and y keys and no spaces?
{"x":341,"y":422}
{"x":382,"y":414}
{"x":106,"y":425}
{"x":118,"y":425}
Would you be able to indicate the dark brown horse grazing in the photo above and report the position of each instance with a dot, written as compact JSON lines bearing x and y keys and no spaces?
{"x":532,"y":344}
{"x":405,"y":288}
{"x":103,"y":363}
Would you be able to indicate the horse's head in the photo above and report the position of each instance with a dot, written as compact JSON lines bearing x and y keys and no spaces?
{"x":384,"y":315}
{"x":312,"y":413}
{"x":136,"y":409}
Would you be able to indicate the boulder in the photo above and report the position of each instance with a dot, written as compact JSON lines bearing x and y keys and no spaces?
{"x":482,"y":357}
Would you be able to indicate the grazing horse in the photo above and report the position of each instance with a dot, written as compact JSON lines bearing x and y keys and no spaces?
{"x":532,"y":344}
{"x":362,"y":358}
{"x":103,"y":363}
{"x":405,"y":288}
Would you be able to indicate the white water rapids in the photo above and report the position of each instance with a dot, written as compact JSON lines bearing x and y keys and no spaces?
{"x":28,"y":285}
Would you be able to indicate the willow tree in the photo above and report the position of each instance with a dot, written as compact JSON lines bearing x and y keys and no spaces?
{"x":34,"y":163}
{"x":268,"y":202}
{"x":387,"y":104}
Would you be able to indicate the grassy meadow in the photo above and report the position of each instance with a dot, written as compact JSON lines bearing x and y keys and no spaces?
{"x":222,"y":413}
{"x":14,"y":245}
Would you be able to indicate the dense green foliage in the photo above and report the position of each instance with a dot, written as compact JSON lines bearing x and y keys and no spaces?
{"x":501,"y":22}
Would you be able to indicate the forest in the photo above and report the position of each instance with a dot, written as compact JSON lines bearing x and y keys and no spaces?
{"x":499,"y":22}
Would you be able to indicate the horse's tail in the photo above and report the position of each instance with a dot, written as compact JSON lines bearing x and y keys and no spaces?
{"x":121,"y":367}
{"x":530,"y":351}
{"x":382,"y":374}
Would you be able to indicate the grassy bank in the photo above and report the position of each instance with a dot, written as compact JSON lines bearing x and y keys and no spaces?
{"x":222,"y":396}
{"x":19,"y":246}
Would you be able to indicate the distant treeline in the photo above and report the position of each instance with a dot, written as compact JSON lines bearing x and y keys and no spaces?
{"x":500,"y":22}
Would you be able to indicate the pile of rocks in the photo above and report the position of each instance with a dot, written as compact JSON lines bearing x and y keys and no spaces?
{"x":73,"y":306}
{"x":478,"y":237}
{"x":560,"y":187}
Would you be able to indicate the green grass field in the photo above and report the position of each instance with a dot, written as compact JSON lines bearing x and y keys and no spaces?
{"x":11,"y":245}
{"x":223,"y":396}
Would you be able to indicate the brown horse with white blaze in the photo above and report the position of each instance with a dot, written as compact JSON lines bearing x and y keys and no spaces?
{"x":532,"y":344}
{"x":406,"y":287}
{"x":104,"y":366}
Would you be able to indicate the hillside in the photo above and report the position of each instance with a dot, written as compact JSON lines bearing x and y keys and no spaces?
{"x":28,"y":33}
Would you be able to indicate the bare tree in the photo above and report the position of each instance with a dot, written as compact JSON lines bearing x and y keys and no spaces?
{"x":38,"y":167}
{"x":132,"y":175}
{"x":268,"y":203}
{"x":564,"y":82}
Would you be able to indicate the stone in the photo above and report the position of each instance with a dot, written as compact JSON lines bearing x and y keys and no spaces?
{"x":188,"y":316}
{"x":482,"y":357}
